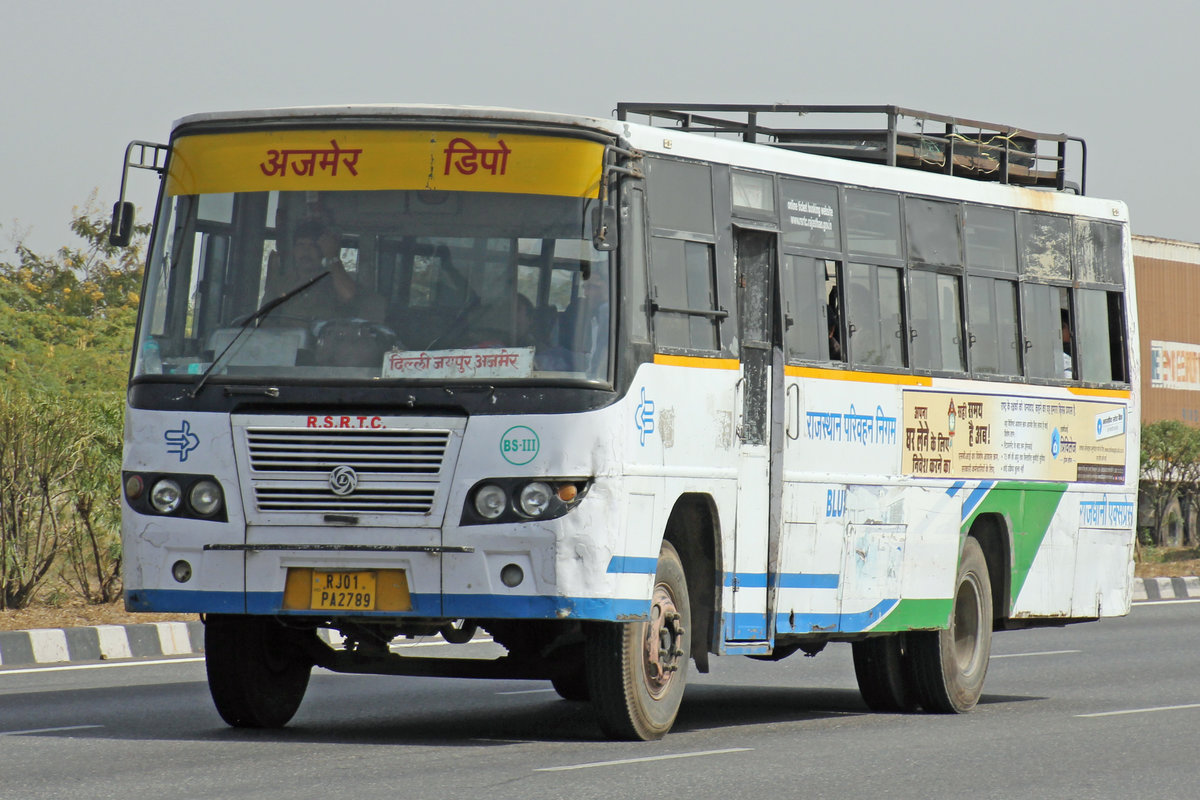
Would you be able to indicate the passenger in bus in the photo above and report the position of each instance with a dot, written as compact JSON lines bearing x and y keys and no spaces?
{"x":538,"y":330}
{"x":315,"y":249}
{"x":835,"y":327}
{"x":1067,"y":346}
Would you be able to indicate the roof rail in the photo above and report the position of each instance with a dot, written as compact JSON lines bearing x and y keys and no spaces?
{"x":906,"y":138}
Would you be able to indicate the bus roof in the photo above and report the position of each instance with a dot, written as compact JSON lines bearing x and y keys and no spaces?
{"x":707,"y":138}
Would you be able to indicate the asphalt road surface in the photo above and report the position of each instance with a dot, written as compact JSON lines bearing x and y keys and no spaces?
{"x":1102,"y":710}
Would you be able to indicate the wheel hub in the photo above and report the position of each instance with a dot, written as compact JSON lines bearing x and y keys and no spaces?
{"x":663,"y":649}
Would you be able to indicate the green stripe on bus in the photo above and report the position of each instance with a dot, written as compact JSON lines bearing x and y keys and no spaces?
{"x":1028,"y":509}
{"x":918,"y":614}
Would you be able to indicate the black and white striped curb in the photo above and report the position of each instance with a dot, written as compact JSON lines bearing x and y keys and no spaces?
{"x":100,"y":643}
{"x":1166,"y":588}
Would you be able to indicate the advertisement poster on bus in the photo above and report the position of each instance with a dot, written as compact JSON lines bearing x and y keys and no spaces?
{"x":979,"y":436}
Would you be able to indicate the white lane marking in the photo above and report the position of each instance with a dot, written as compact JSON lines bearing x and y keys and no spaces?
{"x":528,"y":691}
{"x":1164,"y":602}
{"x":647,"y":758}
{"x":1040,"y":653}
{"x":1140,"y":710}
{"x":50,"y":730}
{"x":106,"y":665}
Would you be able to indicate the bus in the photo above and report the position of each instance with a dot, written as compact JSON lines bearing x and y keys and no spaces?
{"x":624,"y":394}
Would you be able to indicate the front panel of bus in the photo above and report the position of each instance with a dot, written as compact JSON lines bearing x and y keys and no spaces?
{"x":375,"y":376}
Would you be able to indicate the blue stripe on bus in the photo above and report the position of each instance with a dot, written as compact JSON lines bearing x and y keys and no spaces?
{"x":834,"y":622}
{"x":787,"y":580}
{"x":954,"y":487}
{"x":638,"y":565}
{"x":423,"y":605}
{"x":976,"y":497}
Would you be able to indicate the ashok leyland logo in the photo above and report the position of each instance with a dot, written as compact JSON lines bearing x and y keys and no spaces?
{"x":343,"y":480}
{"x":181,"y":441}
{"x":643,"y":418}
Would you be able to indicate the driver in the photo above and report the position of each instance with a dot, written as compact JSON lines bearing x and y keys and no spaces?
{"x":315,"y":249}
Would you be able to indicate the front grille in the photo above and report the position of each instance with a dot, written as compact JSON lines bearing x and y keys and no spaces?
{"x":400,"y":470}
{"x":390,"y":500}
{"x":392,"y":452}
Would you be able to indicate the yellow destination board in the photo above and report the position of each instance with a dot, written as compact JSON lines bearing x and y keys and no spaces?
{"x":373,"y":159}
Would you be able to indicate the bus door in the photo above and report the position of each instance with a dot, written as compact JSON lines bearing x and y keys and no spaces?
{"x":759,"y":410}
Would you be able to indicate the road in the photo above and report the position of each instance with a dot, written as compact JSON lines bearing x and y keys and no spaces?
{"x":1102,"y":710}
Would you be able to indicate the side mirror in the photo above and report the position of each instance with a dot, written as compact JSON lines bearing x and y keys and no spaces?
{"x":121,"y":230}
{"x":604,"y":228}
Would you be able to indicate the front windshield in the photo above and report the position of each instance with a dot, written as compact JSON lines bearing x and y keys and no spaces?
{"x":420,"y":285}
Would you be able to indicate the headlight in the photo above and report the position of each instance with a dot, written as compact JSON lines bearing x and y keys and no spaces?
{"x":490,"y":501}
{"x":165,"y":496}
{"x":205,"y":498}
{"x":535,"y":498}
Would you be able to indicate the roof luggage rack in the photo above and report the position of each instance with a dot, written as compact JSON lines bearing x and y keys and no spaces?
{"x":907,"y":138}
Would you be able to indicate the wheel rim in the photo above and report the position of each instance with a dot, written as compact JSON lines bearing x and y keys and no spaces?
{"x":662,"y":650}
{"x":968,"y":624}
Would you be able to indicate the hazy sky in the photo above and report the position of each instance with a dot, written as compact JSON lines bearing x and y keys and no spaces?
{"x":81,"y":79}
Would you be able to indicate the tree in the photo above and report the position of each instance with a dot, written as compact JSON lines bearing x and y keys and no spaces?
{"x":66,"y":329}
{"x":1170,"y":451}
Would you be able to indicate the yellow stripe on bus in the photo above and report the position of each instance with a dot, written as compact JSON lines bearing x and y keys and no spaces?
{"x":696,"y":362}
{"x":1120,"y":393}
{"x":348,"y":159}
{"x":863,"y":377}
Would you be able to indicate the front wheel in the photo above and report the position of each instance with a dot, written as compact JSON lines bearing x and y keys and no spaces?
{"x":949,"y":665}
{"x":637,"y":671}
{"x":257,"y":670}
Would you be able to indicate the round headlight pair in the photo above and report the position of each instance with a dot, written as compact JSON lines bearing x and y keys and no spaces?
{"x":532,"y":501}
{"x":204,"y":497}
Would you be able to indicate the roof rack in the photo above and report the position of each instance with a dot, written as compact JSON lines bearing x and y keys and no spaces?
{"x":907,"y":138}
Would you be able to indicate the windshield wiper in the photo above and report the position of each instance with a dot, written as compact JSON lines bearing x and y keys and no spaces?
{"x":243,"y":324}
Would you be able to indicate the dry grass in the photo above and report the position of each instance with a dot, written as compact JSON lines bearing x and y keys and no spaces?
{"x":1168,"y":562}
{"x":78,"y":614}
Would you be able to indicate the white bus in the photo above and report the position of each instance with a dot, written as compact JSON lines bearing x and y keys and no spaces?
{"x":624,"y":396}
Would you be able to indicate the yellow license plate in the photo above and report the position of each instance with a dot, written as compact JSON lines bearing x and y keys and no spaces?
{"x":344,"y":591}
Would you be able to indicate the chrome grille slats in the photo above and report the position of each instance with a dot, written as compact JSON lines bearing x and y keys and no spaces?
{"x":400,"y":468}
{"x":391,"y":451}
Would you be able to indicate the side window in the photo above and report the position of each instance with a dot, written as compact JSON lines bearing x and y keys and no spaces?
{"x":991,"y":239}
{"x":994,"y":340}
{"x":684,"y":294}
{"x":1046,"y":245}
{"x":875,"y":314}
{"x":934,"y":232}
{"x":633,"y":238}
{"x":1049,"y":346}
{"x":810,"y":215}
{"x":873,"y":223}
{"x":680,"y":195}
{"x":936,"y":323}
{"x":812,"y":328}
{"x":1097,"y":251}
{"x":1100,"y":325}
{"x":753,"y":194}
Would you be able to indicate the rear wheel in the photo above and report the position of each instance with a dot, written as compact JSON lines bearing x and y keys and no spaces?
{"x":636,"y":672}
{"x":257,"y":670}
{"x":949,"y":666}
{"x":879,"y":666}
{"x":572,"y":685}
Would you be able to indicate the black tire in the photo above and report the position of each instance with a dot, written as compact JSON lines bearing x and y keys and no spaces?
{"x":257,"y":670}
{"x":949,"y":666}
{"x":637,"y":671}
{"x":460,"y":631}
{"x":879,"y":666}
{"x":572,"y":685}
